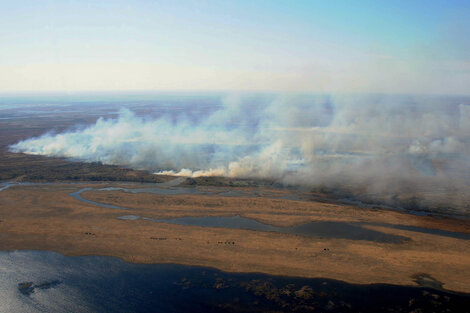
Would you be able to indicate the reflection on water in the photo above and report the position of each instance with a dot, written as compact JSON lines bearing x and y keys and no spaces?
{"x":41,"y":281}
{"x":129,"y":217}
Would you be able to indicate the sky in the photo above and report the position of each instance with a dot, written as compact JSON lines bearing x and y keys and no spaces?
{"x":390,"y":46}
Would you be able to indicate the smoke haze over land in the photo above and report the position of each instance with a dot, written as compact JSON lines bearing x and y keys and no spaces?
{"x":374,"y":145}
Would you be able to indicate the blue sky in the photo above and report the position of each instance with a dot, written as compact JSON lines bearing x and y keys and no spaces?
{"x":320,"y":46}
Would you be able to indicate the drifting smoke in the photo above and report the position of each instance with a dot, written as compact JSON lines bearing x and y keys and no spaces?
{"x":369,"y":144}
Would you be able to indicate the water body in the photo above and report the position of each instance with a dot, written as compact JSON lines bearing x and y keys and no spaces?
{"x":159,"y":191}
{"x":4,"y":186}
{"x":77,"y":195}
{"x":340,"y":230}
{"x":324,"y":229}
{"x":7,"y":185}
{"x":353,"y":231}
{"x":42,"y":281}
{"x":170,"y":188}
{"x":438,"y":232}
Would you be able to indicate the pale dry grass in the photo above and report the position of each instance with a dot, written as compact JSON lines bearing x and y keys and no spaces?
{"x":46,"y":217}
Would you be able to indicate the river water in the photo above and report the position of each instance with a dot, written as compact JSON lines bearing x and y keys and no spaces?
{"x":325,"y":229}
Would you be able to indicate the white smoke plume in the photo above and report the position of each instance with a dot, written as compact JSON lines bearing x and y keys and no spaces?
{"x":372,"y":144}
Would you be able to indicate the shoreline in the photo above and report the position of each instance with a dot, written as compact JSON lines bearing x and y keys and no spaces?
{"x":111,"y":284}
{"x":202,"y":267}
{"x":46,"y":218}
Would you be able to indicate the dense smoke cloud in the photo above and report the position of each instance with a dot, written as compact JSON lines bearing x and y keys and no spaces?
{"x":374,"y":145}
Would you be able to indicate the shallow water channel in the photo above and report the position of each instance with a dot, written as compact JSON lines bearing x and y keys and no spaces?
{"x":314,"y":229}
{"x":324,"y":229}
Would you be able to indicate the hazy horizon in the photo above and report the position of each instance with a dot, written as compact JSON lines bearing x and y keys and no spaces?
{"x":419,"y":47}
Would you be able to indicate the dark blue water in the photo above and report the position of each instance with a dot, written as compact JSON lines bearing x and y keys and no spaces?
{"x":41,"y":281}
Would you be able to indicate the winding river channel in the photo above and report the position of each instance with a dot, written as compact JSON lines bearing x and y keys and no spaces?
{"x":323,"y":229}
